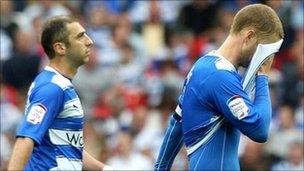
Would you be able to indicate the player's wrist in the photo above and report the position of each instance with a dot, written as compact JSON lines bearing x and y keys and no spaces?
{"x":107,"y":168}
{"x":262,"y":74}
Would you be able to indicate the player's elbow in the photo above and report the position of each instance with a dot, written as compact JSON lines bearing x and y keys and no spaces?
{"x":260,"y":128}
{"x":260,"y":133}
{"x":263,"y":139}
{"x":260,"y":136}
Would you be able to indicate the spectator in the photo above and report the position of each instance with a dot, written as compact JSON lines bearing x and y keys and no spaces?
{"x":130,"y":69}
{"x":299,"y":114}
{"x":98,"y":26}
{"x":168,"y":11}
{"x":254,"y":159}
{"x":198,"y":16}
{"x":15,"y":72}
{"x":86,"y":83}
{"x":286,"y":133}
{"x":126,"y":157}
{"x":294,"y":161}
{"x":153,"y":31}
{"x":6,"y":46}
{"x":7,"y":13}
{"x":45,"y":9}
{"x":170,"y":77}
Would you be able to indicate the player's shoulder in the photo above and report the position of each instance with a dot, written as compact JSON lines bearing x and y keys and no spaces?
{"x":44,"y":88}
{"x":212,"y":62}
{"x":217,"y":69}
{"x":50,"y":80}
{"x":219,"y":62}
{"x":51,"y":76}
{"x":222,"y":63}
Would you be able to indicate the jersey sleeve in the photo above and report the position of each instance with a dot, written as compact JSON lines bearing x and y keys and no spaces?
{"x":227,"y":95}
{"x":43,"y":106}
{"x":171,"y":144}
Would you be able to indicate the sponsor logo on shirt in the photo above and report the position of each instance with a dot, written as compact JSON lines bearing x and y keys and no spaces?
{"x":65,"y":137}
{"x":75,"y":139}
{"x":238,"y":107}
{"x":36,"y":114}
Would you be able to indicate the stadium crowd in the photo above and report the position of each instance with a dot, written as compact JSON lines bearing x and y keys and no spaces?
{"x":142,"y":51}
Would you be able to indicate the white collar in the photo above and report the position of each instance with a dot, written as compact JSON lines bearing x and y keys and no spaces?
{"x":49,"y":68}
{"x":223,"y":59}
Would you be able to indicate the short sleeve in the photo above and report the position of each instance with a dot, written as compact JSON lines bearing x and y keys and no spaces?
{"x":44,"y":104}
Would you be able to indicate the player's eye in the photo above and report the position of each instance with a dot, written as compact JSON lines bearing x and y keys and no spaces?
{"x":80,"y":35}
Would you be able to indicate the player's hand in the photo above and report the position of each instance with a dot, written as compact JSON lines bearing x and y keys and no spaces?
{"x":266,"y":67}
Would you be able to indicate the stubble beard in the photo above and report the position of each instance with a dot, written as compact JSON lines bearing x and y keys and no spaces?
{"x":77,"y":60}
{"x":244,"y":62}
{"x":246,"y":58}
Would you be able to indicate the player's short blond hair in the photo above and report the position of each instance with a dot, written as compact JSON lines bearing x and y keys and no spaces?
{"x":261,"y":18}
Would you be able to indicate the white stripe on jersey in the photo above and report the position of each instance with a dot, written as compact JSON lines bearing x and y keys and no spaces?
{"x":178,"y":111}
{"x":59,"y":79}
{"x":72,"y":108}
{"x":191,"y":149}
{"x":66,"y":164}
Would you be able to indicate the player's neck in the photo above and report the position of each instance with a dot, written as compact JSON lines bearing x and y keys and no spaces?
{"x":63,"y":68}
{"x":231,"y":49}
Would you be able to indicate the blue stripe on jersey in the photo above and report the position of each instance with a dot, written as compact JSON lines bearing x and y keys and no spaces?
{"x":69,"y":152}
{"x":68,"y":123}
{"x":70,"y":94}
{"x":42,"y":157}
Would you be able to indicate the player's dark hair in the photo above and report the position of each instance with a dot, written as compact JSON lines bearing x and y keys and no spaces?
{"x":55,"y":30}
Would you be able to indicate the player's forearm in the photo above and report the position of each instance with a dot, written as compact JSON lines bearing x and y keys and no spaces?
{"x":263,"y":107}
{"x":90,"y":163}
{"x":21,"y":153}
{"x":262,"y":98}
{"x":171,"y":145}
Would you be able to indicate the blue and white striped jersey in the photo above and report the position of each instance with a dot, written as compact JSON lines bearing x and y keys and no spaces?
{"x":54,"y":120}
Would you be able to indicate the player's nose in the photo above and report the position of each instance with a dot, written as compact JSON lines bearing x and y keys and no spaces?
{"x":89,"y":41}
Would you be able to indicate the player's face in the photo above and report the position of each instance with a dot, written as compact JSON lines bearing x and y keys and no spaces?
{"x":249,"y":47}
{"x":78,"y":50}
{"x":247,"y":52}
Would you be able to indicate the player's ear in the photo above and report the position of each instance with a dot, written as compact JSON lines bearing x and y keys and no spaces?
{"x":59,"y":48}
{"x":250,"y":36}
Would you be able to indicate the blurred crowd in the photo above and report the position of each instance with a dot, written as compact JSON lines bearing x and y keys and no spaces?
{"x":142,"y":51}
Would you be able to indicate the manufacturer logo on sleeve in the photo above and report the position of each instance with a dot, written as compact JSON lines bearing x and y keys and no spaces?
{"x":238,"y":107}
{"x":36,"y":114}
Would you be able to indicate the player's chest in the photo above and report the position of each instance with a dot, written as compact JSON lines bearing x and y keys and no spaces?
{"x":72,"y":106}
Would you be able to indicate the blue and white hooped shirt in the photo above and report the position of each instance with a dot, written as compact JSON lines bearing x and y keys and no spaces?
{"x":54,"y":120}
